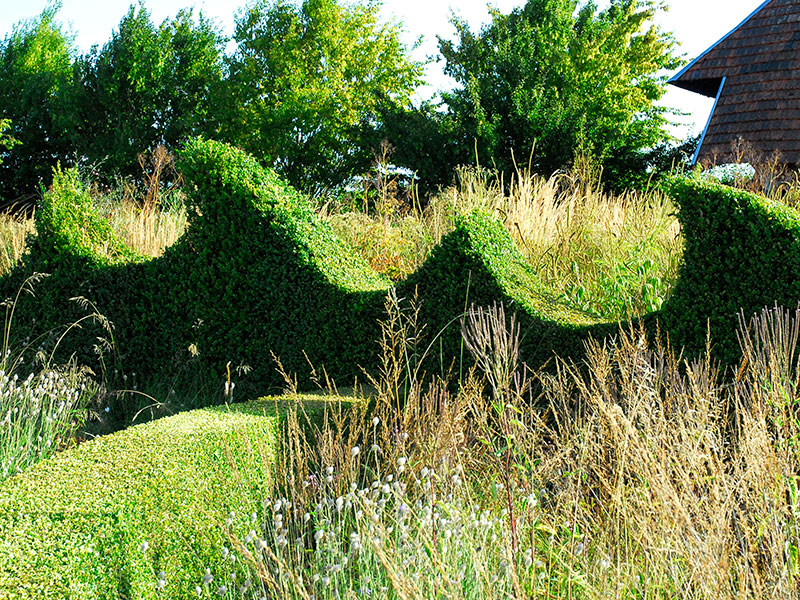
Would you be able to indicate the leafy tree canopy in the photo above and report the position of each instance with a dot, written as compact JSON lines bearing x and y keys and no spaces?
{"x":35,"y":67}
{"x":560,"y":76}
{"x":146,"y":86}
{"x":308,"y":82}
{"x":6,"y":141}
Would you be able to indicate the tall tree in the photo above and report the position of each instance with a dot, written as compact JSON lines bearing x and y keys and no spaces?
{"x":561,"y":76}
{"x":146,"y":86}
{"x":308,"y":82}
{"x":35,"y":72}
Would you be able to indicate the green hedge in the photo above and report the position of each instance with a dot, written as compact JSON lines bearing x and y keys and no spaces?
{"x":74,"y":525}
{"x":742,"y":252}
{"x":478,"y":264}
{"x":257,"y":272}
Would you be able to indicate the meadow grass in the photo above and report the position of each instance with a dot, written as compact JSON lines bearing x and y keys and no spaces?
{"x":613,"y":256}
{"x":635,"y":476}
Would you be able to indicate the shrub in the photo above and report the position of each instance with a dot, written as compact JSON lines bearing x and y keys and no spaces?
{"x":478,"y":264}
{"x":742,"y":252}
{"x":256,"y":273}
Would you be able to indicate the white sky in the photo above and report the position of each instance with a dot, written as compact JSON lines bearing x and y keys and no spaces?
{"x":696,"y":24}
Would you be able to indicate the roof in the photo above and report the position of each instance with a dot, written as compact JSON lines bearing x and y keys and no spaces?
{"x":754,"y":74}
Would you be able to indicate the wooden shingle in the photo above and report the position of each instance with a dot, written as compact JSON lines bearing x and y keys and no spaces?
{"x":754,"y":74}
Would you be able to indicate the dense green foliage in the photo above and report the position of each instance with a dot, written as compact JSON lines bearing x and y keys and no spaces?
{"x":478,"y":264}
{"x":146,"y":86}
{"x":303,"y":92}
{"x":73,"y":225}
{"x":74,"y":526}
{"x":35,"y":74}
{"x":257,"y":272}
{"x":308,"y":83}
{"x":6,"y":141}
{"x":555,"y":75}
{"x":742,"y":252}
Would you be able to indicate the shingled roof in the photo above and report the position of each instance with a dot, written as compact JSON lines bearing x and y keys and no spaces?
{"x":754,"y":74}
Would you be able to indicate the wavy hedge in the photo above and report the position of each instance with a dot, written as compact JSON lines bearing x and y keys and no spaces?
{"x":258,"y":273}
{"x":74,"y":525}
{"x":478,"y":264}
{"x":741,"y":252}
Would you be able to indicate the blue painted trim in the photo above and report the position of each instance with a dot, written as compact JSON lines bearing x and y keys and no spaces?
{"x":711,"y":116}
{"x":718,"y":42}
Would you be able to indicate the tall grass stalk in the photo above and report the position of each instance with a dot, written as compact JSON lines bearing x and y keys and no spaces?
{"x":13,"y":231}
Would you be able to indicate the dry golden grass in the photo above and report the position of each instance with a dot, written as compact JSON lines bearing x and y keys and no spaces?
{"x":149,"y":231}
{"x":13,"y":231}
{"x":633,"y":476}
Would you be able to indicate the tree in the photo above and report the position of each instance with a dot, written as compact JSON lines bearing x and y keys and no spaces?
{"x":308,"y":83}
{"x":6,"y":141}
{"x":35,"y":72}
{"x":559,"y":76}
{"x":147,"y":86}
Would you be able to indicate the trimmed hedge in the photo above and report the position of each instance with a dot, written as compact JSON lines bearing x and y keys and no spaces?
{"x":257,"y":272}
{"x":74,"y":525}
{"x":742,"y":252}
{"x":478,"y":264}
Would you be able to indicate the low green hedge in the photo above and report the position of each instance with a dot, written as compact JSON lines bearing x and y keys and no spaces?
{"x":74,"y":525}
{"x":742,"y":252}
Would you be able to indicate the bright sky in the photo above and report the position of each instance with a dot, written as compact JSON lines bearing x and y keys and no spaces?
{"x":696,"y":24}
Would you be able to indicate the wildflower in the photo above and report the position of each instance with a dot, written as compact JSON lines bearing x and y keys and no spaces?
{"x":208,"y":577}
{"x":198,"y":590}
{"x":145,"y":546}
{"x":222,"y":590}
{"x":375,"y":421}
{"x":528,"y":559}
{"x":354,"y":451}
